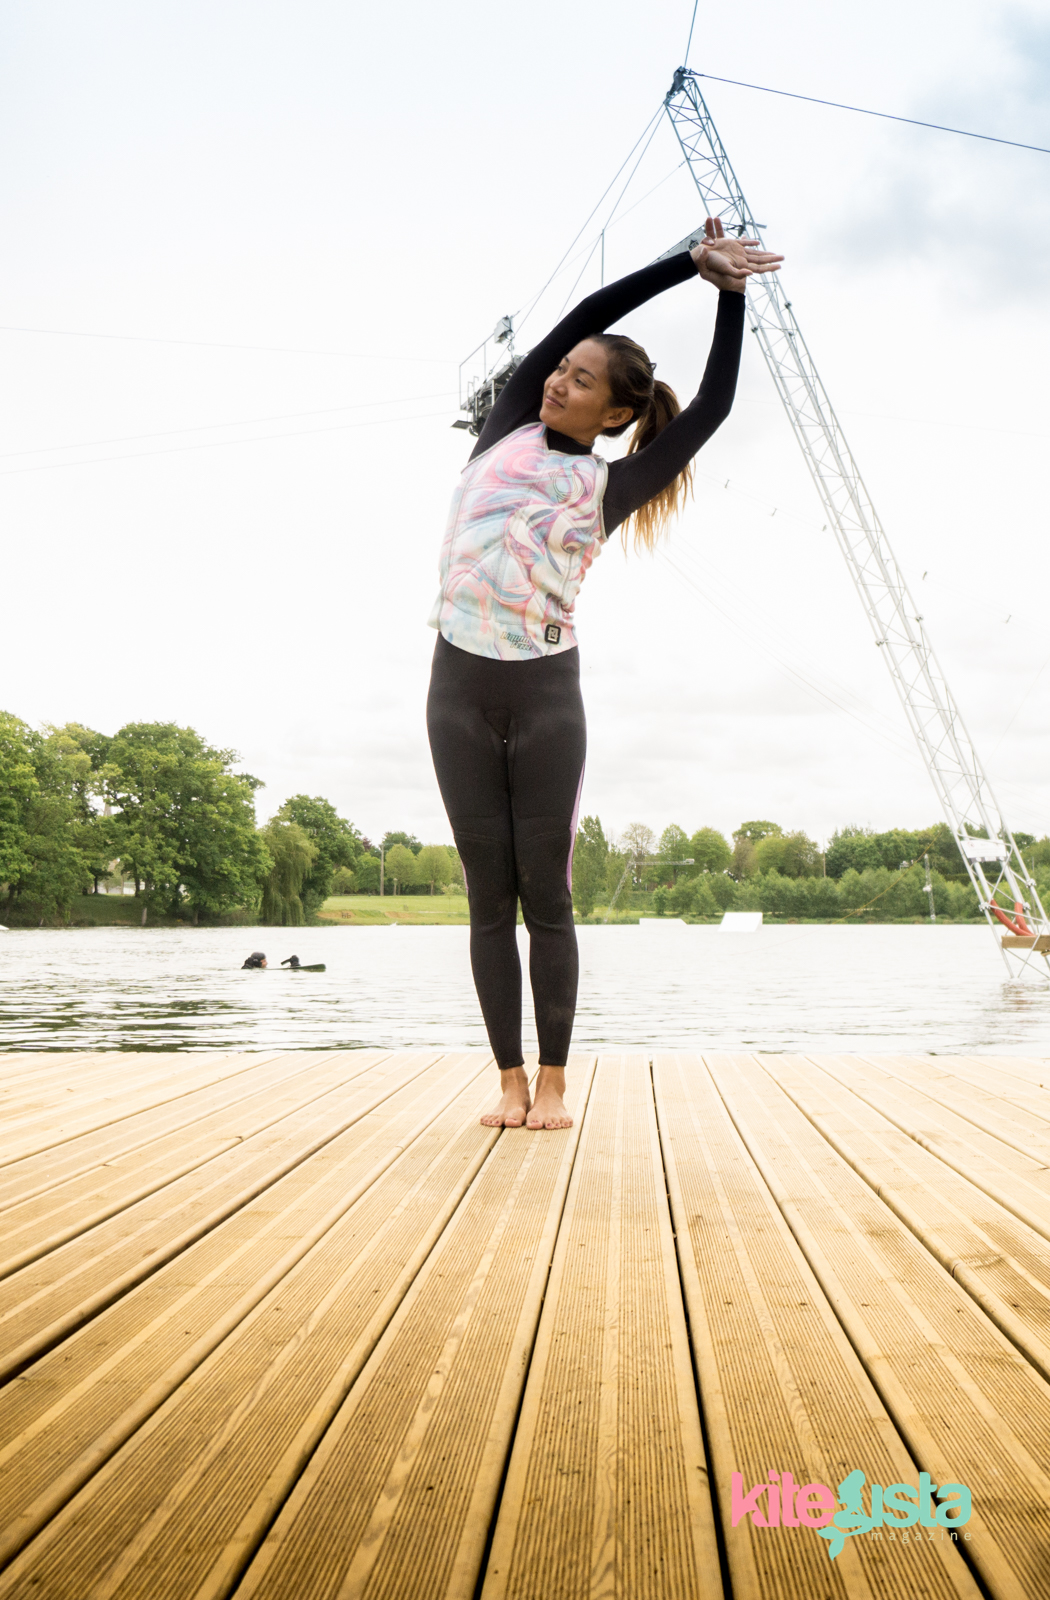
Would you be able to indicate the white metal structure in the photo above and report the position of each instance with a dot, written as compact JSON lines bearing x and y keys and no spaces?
{"x":480,"y":380}
{"x":986,"y":844}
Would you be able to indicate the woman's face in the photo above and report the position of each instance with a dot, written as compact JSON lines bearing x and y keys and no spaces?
{"x":576,"y":396}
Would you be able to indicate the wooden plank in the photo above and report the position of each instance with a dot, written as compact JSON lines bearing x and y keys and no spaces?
{"x":971,"y":1409}
{"x":396,"y":1501}
{"x":781,"y":1386}
{"x":1001,"y":1263}
{"x":1004,"y":1079}
{"x":251,"y":1298}
{"x":985,"y":1109}
{"x":110,"y":1102}
{"x":1031,"y":1068}
{"x":607,"y":1488}
{"x":294,"y":1370}
{"x":45,"y":1220}
{"x":57,"y":1092}
{"x":48,"y":1299}
{"x":91,"y":1151}
{"x":21,"y":1071}
{"x":1019,"y":1183}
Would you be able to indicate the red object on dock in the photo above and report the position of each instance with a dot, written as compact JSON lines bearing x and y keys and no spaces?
{"x":1016,"y":923}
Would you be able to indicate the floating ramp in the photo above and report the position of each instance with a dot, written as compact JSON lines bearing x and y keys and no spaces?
{"x":296,"y":1326}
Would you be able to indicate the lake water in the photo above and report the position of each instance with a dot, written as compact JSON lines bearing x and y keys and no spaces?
{"x":915,"y":988}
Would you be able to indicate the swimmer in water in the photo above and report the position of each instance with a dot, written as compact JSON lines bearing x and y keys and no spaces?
{"x":255,"y":960}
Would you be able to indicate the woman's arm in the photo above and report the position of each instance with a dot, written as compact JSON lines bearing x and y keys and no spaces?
{"x":520,"y":401}
{"x":637,"y":478}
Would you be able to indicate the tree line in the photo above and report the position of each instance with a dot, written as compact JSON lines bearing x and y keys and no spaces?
{"x":156,"y":804}
{"x":782,"y":872}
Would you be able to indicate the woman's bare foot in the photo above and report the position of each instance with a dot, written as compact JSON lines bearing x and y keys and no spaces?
{"x":548,"y":1108}
{"x":514,"y":1103}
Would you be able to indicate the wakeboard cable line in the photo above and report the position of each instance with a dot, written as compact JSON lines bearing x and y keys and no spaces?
{"x":887,"y":116}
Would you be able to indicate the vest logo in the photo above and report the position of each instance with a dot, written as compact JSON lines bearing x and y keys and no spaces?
{"x":520,"y":641}
{"x":552,"y":633}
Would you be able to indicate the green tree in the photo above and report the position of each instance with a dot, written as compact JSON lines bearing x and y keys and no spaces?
{"x":337,"y":842}
{"x":682,"y":899}
{"x":18,"y":785}
{"x":755,"y":831}
{"x":81,"y":754}
{"x":590,"y":859}
{"x":409,"y":841}
{"x":344,"y":881}
{"x":674,"y":846}
{"x":704,"y":903}
{"x":49,"y":831}
{"x":724,"y":891}
{"x":852,"y":848}
{"x":709,"y":850}
{"x":857,"y":849}
{"x":457,"y":883}
{"x":434,"y":866}
{"x":745,"y":841}
{"x":366,"y":871}
{"x":792,"y":855}
{"x":401,"y":865}
{"x":186,"y":826}
{"x":614,"y":870}
{"x":290,"y":854}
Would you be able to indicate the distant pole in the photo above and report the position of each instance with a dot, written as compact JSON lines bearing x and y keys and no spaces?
{"x":382,"y":859}
{"x":929,"y":889}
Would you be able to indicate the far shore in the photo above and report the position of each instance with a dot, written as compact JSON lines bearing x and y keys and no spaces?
{"x":415,"y":910}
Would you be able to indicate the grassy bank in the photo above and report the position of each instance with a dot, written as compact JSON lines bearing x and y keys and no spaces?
{"x":375,"y":911}
{"x":113,"y":911}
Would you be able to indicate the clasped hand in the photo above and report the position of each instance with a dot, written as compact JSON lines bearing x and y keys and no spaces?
{"x":728,"y":263}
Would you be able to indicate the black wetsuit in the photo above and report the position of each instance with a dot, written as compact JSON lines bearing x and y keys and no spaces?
{"x":509,"y":737}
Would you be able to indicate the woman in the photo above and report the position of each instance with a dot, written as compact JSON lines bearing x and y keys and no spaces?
{"x":504,"y":713}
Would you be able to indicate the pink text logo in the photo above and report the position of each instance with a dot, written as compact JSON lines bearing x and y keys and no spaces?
{"x":781,"y":1503}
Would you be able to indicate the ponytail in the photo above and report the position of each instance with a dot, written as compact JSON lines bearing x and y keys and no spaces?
{"x":654,"y":404}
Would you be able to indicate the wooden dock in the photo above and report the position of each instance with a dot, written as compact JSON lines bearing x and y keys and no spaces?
{"x":296,"y":1327}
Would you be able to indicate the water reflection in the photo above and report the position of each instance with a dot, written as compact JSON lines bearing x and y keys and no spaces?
{"x":790,"y":988}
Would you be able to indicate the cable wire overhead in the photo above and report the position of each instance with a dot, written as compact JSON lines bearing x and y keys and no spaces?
{"x":888,"y":116}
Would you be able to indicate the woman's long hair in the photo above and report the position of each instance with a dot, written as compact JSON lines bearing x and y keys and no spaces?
{"x":655,"y":404}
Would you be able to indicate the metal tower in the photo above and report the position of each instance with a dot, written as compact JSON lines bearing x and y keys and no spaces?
{"x":480,"y":382}
{"x":986,"y":844}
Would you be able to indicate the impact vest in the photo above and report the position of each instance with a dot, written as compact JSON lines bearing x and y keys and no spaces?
{"x":524,"y":526}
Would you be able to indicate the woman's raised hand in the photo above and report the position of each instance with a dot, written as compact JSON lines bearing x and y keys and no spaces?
{"x":728,"y":263}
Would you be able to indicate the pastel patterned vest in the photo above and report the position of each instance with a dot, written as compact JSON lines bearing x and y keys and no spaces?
{"x":524,"y":526}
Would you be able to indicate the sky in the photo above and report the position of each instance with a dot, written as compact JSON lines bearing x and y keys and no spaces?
{"x":247,"y":247}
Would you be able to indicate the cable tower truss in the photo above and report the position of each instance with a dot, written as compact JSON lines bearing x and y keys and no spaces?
{"x":987,"y":846}
{"x":484,"y":374}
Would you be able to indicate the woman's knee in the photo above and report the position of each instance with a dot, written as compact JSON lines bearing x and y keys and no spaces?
{"x":542,"y":863}
{"x":488,"y":867}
